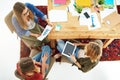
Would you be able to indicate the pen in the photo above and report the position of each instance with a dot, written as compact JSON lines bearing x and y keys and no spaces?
{"x":92,"y":18}
{"x":68,"y":9}
{"x":97,"y":9}
{"x":78,"y":17}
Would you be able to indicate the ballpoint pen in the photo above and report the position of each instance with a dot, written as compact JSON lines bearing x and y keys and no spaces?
{"x":92,"y":19}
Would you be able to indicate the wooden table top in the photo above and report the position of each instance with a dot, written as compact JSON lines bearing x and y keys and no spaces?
{"x":73,"y":30}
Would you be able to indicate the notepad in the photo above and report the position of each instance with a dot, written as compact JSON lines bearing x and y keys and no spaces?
{"x":108,"y":3}
{"x":59,"y":1}
{"x":57,"y":15}
{"x":84,"y":3}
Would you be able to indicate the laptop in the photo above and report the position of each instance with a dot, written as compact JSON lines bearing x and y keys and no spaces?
{"x":68,"y":49}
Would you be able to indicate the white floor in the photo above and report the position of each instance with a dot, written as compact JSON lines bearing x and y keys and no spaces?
{"x":10,"y":50}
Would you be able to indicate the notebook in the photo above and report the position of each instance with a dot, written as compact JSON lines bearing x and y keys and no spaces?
{"x":68,"y":49}
{"x":59,"y":1}
{"x":108,"y":3}
{"x":83,"y":3}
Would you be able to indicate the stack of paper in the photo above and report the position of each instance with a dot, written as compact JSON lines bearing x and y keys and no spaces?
{"x":45,"y":33}
{"x":92,"y":21}
{"x":57,"y":15}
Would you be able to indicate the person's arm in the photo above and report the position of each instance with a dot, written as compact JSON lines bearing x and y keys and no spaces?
{"x":38,"y":13}
{"x":75,"y":61}
{"x":80,"y":44}
{"x":35,"y":35}
{"x":44,"y":65}
{"x":37,"y":63}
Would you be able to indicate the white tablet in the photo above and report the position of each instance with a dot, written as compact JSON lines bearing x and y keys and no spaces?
{"x":68,"y":49}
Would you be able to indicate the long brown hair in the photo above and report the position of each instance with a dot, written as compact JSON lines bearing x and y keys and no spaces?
{"x":93,"y":50}
{"x":18,"y":9}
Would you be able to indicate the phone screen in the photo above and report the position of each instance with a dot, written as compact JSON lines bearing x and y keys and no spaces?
{"x":86,"y":15}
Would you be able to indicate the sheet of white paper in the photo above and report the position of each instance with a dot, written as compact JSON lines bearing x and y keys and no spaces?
{"x":45,"y":32}
{"x":72,"y":10}
{"x":83,"y":20}
{"x":57,"y":15}
{"x":106,"y":12}
{"x":95,"y":21}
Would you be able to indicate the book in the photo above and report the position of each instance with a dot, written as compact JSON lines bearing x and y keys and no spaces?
{"x":83,"y":3}
{"x":108,"y":3}
{"x":59,"y":1}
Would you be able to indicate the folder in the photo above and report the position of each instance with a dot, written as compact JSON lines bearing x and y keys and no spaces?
{"x":59,"y":1}
{"x":83,"y":3}
{"x":108,"y":3}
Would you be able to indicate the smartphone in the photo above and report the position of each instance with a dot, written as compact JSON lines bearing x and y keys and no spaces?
{"x":87,"y":15}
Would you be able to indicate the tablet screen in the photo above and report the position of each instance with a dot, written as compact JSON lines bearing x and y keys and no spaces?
{"x":69,"y":49}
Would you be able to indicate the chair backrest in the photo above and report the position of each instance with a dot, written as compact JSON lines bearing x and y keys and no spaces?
{"x":8,"y":21}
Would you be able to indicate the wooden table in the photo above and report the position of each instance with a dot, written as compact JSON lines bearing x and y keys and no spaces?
{"x":72,"y":29}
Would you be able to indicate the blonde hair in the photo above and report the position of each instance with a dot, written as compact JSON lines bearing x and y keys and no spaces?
{"x":93,"y":50}
{"x":18,"y":9}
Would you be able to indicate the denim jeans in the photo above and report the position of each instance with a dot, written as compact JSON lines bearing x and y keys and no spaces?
{"x":38,"y":57}
{"x":60,"y":46}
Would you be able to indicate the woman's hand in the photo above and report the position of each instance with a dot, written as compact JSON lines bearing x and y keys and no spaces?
{"x":35,"y":35}
{"x":73,"y":58}
{"x":49,"y":23}
{"x":45,"y":57}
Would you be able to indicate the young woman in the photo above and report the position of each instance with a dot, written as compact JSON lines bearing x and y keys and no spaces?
{"x":35,"y":68}
{"x":25,"y":21}
{"x":87,"y":58}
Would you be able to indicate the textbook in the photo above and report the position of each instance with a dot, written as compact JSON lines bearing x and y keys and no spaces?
{"x":108,"y":3}
{"x":83,"y":3}
{"x":45,"y":33}
{"x":59,"y":1}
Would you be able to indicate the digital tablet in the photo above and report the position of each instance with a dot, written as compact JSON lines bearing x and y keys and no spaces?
{"x":68,"y":49}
